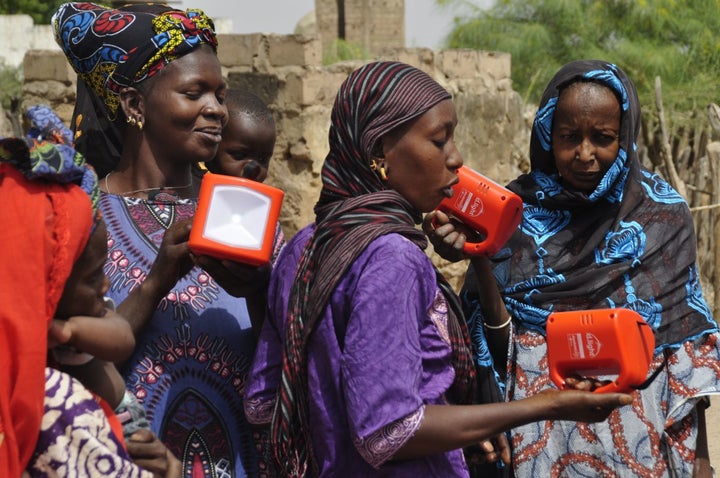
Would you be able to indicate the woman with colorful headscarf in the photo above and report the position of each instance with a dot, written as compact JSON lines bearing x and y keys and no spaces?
{"x":600,"y":231}
{"x":40,"y":240}
{"x":155,"y":73}
{"x":51,"y":424}
{"x":365,"y":345}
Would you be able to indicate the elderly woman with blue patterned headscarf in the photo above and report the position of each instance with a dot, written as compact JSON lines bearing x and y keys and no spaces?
{"x":600,"y":231}
{"x":364,"y":364}
{"x":155,"y":92}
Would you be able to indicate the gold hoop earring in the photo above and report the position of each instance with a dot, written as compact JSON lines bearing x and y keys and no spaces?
{"x":383,"y":174}
{"x":131,"y":120}
{"x":373,"y":165}
{"x":140,"y":124}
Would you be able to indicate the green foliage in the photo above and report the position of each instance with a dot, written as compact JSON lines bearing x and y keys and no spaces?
{"x":11,"y":84}
{"x":342,"y":50}
{"x":40,"y":10}
{"x":674,"y":39}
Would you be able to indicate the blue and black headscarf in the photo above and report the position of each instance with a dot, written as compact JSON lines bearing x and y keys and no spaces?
{"x":629,"y":243}
{"x":46,"y":153}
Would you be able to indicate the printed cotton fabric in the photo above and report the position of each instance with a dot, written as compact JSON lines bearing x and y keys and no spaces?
{"x":114,"y":48}
{"x":190,"y":363}
{"x":77,"y":440}
{"x":629,"y":243}
{"x":46,"y":194}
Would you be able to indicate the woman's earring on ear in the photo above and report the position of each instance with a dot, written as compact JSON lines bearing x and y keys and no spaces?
{"x":134,"y":122}
{"x":381,"y":169}
{"x":383,"y":174}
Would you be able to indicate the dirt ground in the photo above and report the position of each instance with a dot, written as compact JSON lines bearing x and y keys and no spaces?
{"x":712,"y":420}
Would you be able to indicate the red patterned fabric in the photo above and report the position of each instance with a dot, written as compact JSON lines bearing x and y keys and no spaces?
{"x":44,"y":229}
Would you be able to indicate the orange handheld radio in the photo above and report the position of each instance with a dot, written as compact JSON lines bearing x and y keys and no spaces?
{"x":597,"y":342}
{"x":485,"y":206}
{"x":235,"y":219}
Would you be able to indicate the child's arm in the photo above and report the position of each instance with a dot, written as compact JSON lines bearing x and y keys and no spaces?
{"x":107,"y":338}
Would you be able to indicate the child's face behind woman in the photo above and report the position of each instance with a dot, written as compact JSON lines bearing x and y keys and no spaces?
{"x":246,"y":148}
{"x":421,"y":157}
{"x":585,"y":137}
{"x":85,"y":289}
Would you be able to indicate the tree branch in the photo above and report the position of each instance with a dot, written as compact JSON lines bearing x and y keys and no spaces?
{"x":673,"y":176}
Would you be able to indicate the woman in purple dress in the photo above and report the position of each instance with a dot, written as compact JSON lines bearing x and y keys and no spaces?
{"x":363,"y":366}
{"x":152,"y":73}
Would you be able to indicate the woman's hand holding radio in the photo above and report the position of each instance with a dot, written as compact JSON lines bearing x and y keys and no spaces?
{"x":588,"y":384}
{"x":578,"y":405}
{"x":172,"y":263}
{"x":241,"y":280}
{"x":173,"y":260}
{"x":447,"y":236}
{"x":238,"y":279}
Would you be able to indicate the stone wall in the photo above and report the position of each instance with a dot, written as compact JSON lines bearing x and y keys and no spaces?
{"x":374,"y":25}
{"x":286,"y":71}
{"x":18,"y":34}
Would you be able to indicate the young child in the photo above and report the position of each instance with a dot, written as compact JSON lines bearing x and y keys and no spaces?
{"x":248,"y":141}
{"x":83,"y":346}
{"x":248,"y":138}
{"x":88,"y":336}
{"x":51,"y":241}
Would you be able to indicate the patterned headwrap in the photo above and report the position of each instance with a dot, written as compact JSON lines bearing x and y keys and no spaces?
{"x":47,"y":153}
{"x":44,"y":124}
{"x":46,"y":222}
{"x":354,"y":208}
{"x":115,"y":48}
{"x":42,"y":160}
{"x":629,"y":243}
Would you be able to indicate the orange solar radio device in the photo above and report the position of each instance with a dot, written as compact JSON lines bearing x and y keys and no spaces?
{"x":235,"y":219}
{"x":600,"y":342}
{"x":485,"y":206}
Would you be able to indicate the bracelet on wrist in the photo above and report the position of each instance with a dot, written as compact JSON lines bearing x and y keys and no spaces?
{"x":498,"y":327}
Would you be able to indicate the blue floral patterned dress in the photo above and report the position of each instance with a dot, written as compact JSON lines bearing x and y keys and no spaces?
{"x":629,"y":243}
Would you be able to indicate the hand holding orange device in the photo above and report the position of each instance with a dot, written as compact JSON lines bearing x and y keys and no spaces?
{"x":485,"y":206}
{"x":597,"y":342}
